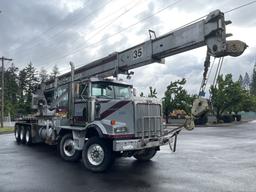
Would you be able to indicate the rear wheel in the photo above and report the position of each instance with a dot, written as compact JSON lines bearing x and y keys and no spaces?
{"x":17,"y":133}
{"x":145,"y":154}
{"x":28,"y":137}
{"x":97,"y":155}
{"x":22,"y":134}
{"x":67,"y":149}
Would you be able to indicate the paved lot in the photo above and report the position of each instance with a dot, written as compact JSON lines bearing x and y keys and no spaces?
{"x":207,"y":159}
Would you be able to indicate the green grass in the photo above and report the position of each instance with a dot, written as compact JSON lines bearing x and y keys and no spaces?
{"x":6,"y":129}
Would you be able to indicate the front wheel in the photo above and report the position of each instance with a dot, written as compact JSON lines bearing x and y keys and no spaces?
{"x":145,"y":154}
{"x":67,"y":149}
{"x":97,"y":155}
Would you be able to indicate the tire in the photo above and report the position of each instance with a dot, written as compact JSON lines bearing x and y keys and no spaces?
{"x":97,"y":155}
{"x":28,"y":136}
{"x":202,"y":120}
{"x":227,"y":118}
{"x":67,"y":150}
{"x":145,"y":155}
{"x":17,"y":133}
{"x":238,"y":117}
{"x":22,"y":134}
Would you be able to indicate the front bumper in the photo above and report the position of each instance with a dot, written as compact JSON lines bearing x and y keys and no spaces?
{"x":138,"y":144}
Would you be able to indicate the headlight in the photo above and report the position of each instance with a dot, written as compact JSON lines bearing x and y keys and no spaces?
{"x":120,"y":130}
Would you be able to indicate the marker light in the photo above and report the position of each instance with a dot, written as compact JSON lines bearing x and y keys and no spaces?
{"x":113,"y":122}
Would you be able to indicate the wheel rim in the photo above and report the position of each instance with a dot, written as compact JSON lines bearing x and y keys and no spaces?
{"x":69,"y":147}
{"x":22,"y":133}
{"x":95,"y":154}
{"x":27,"y":136}
{"x":16,"y":133}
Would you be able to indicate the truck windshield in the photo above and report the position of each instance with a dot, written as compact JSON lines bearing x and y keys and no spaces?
{"x":110,"y":90}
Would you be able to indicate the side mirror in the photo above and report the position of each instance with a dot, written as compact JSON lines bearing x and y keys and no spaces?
{"x":134,"y":92}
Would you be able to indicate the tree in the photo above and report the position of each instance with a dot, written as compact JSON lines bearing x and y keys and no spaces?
{"x":11,"y":87}
{"x":43,"y":76}
{"x":152,"y":92}
{"x":241,"y":80}
{"x":228,"y":96}
{"x":222,"y":98}
{"x":176,"y":97}
{"x":246,"y":81}
{"x":253,"y":82}
{"x":28,"y":81}
{"x":32,"y":80}
{"x":55,"y":71}
{"x":22,"y":85}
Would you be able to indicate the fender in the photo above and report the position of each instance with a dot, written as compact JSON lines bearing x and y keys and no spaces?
{"x":80,"y":139}
{"x":101,"y":130}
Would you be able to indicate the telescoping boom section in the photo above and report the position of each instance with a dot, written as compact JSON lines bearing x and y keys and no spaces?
{"x":210,"y":32}
{"x":96,"y":118}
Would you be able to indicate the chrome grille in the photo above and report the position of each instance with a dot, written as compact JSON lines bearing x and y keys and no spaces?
{"x":148,"y":120}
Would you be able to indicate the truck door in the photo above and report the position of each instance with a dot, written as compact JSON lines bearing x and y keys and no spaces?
{"x":81,"y":104}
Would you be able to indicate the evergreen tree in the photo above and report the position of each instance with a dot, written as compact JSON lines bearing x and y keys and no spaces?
{"x":32,"y":79}
{"x":55,"y":71}
{"x":22,"y":85}
{"x":241,"y":80}
{"x":28,"y":81}
{"x":10,"y":92}
{"x":253,"y":82}
{"x":43,"y":76}
{"x":246,"y":81}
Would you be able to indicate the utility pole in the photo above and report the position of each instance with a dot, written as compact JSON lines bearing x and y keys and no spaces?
{"x":2,"y":91}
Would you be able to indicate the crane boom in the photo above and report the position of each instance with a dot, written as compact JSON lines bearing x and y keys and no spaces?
{"x":210,"y":31}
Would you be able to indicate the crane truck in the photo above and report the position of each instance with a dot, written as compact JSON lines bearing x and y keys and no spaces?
{"x":95,"y":118}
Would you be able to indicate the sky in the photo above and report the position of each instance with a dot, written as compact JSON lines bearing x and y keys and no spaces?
{"x":54,"y":32}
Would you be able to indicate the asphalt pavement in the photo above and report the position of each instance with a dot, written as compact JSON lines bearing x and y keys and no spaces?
{"x":207,"y":159}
